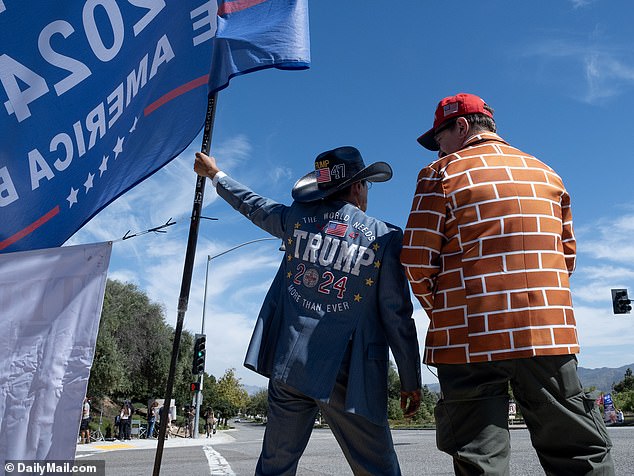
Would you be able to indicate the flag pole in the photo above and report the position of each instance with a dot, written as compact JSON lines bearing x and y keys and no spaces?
{"x":183,"y":300}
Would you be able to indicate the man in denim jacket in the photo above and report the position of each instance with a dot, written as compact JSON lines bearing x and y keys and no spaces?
{"x":338,"y":303}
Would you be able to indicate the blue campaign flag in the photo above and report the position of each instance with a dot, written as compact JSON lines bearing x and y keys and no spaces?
{"x":95,"y":96}
{"x":258,"y":34}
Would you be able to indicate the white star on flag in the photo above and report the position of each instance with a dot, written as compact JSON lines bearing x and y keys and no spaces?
{"x":118,"y":148}
{"x":72,"y":197}
{"x":88,"y":182}
{"x":136,"y":119}
{"x":104,"y":165}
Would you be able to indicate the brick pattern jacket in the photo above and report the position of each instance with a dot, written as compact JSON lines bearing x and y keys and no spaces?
{"x":488,"y":250}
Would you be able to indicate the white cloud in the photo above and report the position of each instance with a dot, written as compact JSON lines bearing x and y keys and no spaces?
{"x":232,"y":273}
{"x":608,"y":239}
{"x":597,"y":69}
{"x":125,"y":276}
{"x":599,"y":327}
{"x":581,"y":3}
{"x":605,"y":259}
{"x":606,"y":273}
{"x":279,"y":173}
{"x":228,"y":335}
{"x":232,"y":152}
{"x":593,"y":284}
{"x":606,"y":76}
{"x":612,"y":356}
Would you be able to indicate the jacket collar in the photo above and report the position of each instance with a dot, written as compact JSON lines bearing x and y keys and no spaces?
{"x":483,"y":137}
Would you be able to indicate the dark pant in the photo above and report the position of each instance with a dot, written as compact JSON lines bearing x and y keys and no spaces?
{"x":566,"y":429}
{"x":125,"y":429}
{"x":367,"y":447}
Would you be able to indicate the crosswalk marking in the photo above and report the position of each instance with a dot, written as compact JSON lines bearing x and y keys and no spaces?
{"x":217,"y":464}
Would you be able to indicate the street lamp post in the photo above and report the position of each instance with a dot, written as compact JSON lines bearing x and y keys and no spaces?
{"x":198,"y":395}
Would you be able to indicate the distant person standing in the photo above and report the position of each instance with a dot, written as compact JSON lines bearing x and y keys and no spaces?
{"x":190,"y":413}
{"x":619,"y":416}
{"x":125,"y":422}
{"x":488,"y":250}
{"x":210,"y":422}
{"x":84,"y":428}
{"x":152,"y":416}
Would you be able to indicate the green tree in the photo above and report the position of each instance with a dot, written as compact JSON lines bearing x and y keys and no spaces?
{"x":624,"y":392}
{"x":209,"y":391}
{"x":624,"y":400}
{"x":183,"y":376}
{"x":107,"y":370}
{"x":424,"y":415}
{"x":231,"y":397}
{"x":258,"y":403}
{"x":394,"y":411}
{"x":626,"y":384}
{"x":393,"y":382}
{"x":133,"y":350}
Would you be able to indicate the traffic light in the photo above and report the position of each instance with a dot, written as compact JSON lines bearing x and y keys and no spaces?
{"x":198,"y":364}
{"x":194,"y":386}
{"x":620,"y":302}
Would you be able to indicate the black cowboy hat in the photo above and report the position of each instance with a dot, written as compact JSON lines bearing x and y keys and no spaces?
{"x":335,"y":170}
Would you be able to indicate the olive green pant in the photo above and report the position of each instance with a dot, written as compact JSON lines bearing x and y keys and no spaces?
{"x":566,"y":429}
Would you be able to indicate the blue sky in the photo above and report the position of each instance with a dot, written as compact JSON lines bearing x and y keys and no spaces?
{"x":560,"y":76}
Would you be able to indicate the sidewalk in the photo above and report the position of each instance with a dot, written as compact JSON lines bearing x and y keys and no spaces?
{"x":223,"y":436}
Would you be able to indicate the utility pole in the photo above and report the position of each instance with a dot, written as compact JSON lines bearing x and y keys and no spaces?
{"x":198,"y":393}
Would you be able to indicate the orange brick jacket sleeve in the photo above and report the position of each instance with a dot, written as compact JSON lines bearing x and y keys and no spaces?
{"x":488,"y":250}
{"x":424,"y":236}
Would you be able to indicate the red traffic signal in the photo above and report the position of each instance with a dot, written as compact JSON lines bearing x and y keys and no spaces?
{"x":194,"y":386}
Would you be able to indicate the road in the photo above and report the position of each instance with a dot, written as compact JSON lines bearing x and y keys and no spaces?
{"x":235,"y":452}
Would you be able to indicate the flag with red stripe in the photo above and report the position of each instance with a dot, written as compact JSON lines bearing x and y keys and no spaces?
{"x":94,"y":98}
{"x":258,"y":34}
{"x":336,"y":228}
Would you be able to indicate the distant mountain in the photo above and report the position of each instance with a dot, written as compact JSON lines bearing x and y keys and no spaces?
{"x":433,"y":387}
{"x":602,"y":379}
{"x":252,"y":389}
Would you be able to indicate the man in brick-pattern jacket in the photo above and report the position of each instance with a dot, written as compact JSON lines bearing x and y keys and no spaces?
{"x":488,"y":250}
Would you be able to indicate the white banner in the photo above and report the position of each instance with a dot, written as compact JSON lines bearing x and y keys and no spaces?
{"x":50,"y":305}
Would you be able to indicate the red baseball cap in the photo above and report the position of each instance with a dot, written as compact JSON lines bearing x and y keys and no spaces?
{"x":452,"y":106}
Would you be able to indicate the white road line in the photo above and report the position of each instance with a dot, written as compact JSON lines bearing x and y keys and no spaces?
{"x":217,"y":464}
